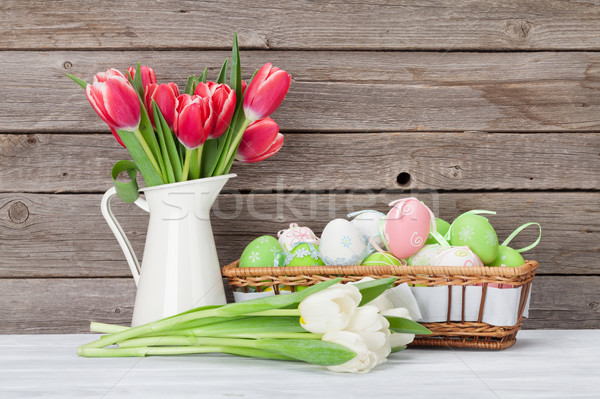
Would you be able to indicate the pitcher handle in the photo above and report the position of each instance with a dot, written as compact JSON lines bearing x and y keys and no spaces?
{"x":117,"y":230}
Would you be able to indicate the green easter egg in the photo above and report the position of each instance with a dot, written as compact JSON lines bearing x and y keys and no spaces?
{"x":382,"y":258}
{"x":442,"y":227}
{"x":304,"y":255}
{"x":475,"y":232}
{"x":261,"y":252}
{"x":507,"y":257}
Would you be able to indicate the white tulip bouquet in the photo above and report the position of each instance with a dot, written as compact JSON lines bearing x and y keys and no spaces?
{"x":347,"y":328}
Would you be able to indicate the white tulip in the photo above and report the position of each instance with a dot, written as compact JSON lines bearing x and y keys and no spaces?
{"x":364,"y":360}
{"x":375,"y":330}
{"x":330,"y":309}
{"x":382,"y":303}
{"x":398,"y":340}
{"x":367,"y":318}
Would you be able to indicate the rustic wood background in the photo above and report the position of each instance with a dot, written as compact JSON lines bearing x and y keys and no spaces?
{"x":485,"y":104}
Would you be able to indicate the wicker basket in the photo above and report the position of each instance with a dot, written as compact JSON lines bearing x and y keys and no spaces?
{"x":462,"y":334}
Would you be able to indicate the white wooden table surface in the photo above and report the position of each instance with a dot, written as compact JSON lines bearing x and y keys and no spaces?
{"x":542,"y":364}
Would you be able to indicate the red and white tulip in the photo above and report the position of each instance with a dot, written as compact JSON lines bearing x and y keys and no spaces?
{"x":266,"y":92}
{"x":260,"y":141}
{"x":148,"y":75}
{"x":165,"y":96}
{"x":193,"y":121}
{"x":223,"y":104}
{"x":115,"y":100}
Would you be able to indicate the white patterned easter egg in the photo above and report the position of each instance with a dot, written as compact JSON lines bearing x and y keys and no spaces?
{"x":457,"y":256}
{"x":295,"y":235}
{"x":368,"y":223}
{"x":342,"y":244}
{"x":426,"y":255}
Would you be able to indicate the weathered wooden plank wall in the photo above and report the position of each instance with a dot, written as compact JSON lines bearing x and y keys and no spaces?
{"x":483,"y":104}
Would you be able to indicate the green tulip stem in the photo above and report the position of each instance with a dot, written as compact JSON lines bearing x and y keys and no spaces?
{"x":231,"y":151}
{"x":239,"y":340}
{"x":199,"y":159}
{"x":150,"y":328}
{"x":138,"y":135}
{"x":186,"y":164}
{"x":105,"y":328}
{"x":181,"y":350}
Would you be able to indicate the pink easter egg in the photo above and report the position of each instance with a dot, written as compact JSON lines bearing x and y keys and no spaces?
{"x":407,"y":227}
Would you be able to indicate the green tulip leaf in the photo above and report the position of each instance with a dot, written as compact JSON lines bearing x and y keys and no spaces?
{"x":210,"y":152}
{"x":407,"y":326}
{"x":169,"y":137}
{"x":143,"y":164}
{"x":235,"y":75}
{"x":372,"y":289}
{"x":222,"y":78}
{"x":319,"y":352}
{"x":189,"y":85}
{"x":273,"y":302}
{"x":80,"y":82}
{"x":137,"y":81}
{"x":202,"y":77}
{"x":127,"y":191}
{"x":398,"y":349}
{"x":170,"y":175}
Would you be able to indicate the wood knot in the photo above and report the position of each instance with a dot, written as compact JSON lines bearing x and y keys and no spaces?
{"x":18,"y":212}
{"x":517,"y":28}
{"x":594,"y":305}
{"x":31,"y":139}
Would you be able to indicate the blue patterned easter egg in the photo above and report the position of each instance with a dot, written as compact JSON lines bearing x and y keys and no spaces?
{"x":342,"y":244}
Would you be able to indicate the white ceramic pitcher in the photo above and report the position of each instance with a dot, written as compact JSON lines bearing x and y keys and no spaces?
{"x":180,"y":269}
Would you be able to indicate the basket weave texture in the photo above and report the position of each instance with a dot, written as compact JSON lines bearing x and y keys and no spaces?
{"x":462,"y":334}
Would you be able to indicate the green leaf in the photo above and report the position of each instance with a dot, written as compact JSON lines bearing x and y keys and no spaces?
{"x":127,"y":191}
{"x":80,"y":82}
{"x":319,"y":352}
{"x":238,"y":118}
{"x":174,"y":157}
{"x":137,"y":81}
{"x":202,"y":77}
{"x":222,"y":78}
{"x":273,"y":302}
{"x":148,"y":134}
{"x":372,"y":289}
{"x":210,"y":153}
{"x":400,"y":348}
{"x":407,"y":326}
{"x":189,"y":86}
{"x":170,"y":175}
{"x":143,"y":164}
{"x":251,"y":325}
{"x":235,"y":75}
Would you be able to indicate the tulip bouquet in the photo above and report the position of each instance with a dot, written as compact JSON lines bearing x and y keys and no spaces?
{"x":347,"y":328}
{"x":214,"y":122}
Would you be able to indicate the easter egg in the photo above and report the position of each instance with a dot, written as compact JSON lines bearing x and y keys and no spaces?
{"x":457,"y":256}
{"x":477,"y":233}
{"x":426,"y":255}
{"x":442,"y":227}
{"x":304,"y":255}
{"x":342,"y":244}
{"x":407,"y":227}
{"x":507,"y":257}
{"x":367,"y":222}
{"x":382,"y":258}
{"x":261,"y":252}
{"x":295,"y":235}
